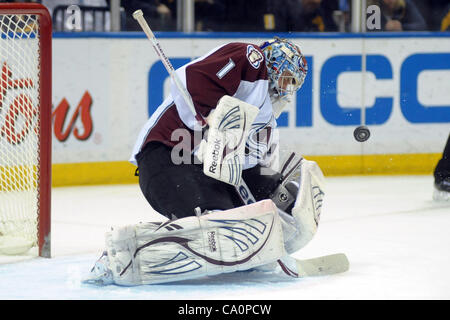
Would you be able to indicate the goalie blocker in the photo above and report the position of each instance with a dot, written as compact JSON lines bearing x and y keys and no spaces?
{"x":222,"y":153}
{"x":209,"y":185}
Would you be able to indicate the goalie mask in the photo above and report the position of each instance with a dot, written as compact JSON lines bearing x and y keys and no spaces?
{"x":287,"y":69}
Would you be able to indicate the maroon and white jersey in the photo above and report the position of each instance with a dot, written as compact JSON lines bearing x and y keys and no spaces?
{"x":234,"y":69}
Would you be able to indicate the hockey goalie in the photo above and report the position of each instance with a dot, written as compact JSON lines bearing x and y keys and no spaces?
{"x":229,"y":204}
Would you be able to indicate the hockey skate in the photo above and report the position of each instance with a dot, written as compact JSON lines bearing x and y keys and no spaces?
{"x":442,"y":190}
{"x":100,"y":273}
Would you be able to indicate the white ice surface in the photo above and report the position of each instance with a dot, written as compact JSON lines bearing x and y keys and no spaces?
{"x":396,"y":238}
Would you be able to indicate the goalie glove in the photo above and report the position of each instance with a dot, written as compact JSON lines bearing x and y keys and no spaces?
{"x":222,"y":153}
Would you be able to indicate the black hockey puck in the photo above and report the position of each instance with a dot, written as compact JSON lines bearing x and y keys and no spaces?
{"x":361,"y":134}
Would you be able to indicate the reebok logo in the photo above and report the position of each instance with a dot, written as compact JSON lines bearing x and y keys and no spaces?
{"x":215,"y":156}
{"x":212,"y":241}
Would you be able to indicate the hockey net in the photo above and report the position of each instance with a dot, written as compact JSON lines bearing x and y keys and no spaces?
{"x":25,"y":129}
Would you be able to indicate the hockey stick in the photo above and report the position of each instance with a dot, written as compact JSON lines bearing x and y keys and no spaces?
{"x":138,"y":15}
{"x":319,"y":266}
{"x":311,"y":267}
{"x":325,"y":265}
{"x":300,"y":268}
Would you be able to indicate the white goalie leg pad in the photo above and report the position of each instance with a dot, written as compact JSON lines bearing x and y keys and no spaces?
{"x":223,"y":152}
{"x":291,"y":236}
{"x":187,"y":248}
{"x":308,"y":205}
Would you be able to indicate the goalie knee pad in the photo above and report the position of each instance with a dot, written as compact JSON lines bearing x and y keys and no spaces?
{"x":308,"y":204}
{"x":299,"y":200}
{"x":299,"y":197}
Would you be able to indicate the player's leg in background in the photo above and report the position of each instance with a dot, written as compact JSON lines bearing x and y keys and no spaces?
{"x":442,"y":175}
{"x":176,"y":190}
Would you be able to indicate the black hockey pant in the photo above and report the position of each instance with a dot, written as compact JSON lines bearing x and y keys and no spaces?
{"x":176,"y":190}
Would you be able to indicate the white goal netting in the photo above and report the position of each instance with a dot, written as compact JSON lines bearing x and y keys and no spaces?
{"x":19,"y":132}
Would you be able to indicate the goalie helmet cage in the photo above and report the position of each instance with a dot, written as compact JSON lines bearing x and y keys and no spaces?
{"x":25,"y":126}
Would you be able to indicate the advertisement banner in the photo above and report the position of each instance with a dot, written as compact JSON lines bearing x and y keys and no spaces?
{"x":106,"y":87}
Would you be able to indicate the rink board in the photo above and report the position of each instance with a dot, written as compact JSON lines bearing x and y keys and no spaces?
{"x":105,"y":86}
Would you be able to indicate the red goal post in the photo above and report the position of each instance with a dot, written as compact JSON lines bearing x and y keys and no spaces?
{"x":25,"y":125}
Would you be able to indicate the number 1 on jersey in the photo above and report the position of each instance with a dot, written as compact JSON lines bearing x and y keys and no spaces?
{"x":227,"y":68}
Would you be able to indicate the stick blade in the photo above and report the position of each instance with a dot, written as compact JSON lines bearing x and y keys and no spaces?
{"x":321,"y":266}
